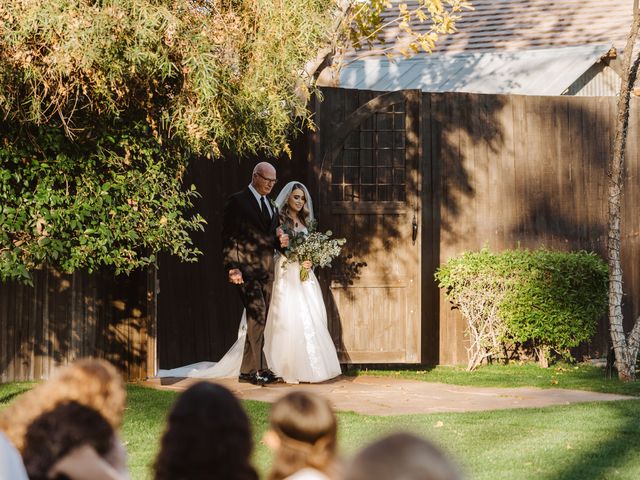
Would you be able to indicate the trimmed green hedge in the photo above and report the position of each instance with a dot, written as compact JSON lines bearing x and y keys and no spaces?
{"x":546,"y":299}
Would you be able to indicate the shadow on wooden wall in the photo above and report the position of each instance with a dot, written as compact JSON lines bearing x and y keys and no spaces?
{"x":496,"y":171}
{"x":65,"y":317}
{"x":544,"y":184}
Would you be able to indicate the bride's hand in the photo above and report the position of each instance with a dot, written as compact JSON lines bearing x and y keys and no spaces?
{"x":307,"y":264}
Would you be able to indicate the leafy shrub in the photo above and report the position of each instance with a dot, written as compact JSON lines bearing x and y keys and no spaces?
{"x":476,"y":284}
{"x":557,"y":299}
{"x":113,"y":203}
{"x":551,"y":300}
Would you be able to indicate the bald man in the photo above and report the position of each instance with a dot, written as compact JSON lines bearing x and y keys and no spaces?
{"x":249,"y":238}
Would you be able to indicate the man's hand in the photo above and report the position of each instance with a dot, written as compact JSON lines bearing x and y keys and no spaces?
{"x":235,"y":276}
{"x":283,"y":237}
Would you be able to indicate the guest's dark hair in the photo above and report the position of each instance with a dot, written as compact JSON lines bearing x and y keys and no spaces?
{"x":303,"y":216}
{"x":401,"y":456}
{"x":55,"y":433}
{"x":208,"y":436}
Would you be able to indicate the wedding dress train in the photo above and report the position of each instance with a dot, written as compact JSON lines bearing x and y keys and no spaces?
{"x":228,"y":366}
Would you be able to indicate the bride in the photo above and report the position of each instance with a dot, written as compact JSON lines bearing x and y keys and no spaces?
{"x":297,"y":344}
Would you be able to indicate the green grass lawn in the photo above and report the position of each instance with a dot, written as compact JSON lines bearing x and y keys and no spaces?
{"x":584,"y":441}
{"x":597,"y":440}
{"x":563,"y":375}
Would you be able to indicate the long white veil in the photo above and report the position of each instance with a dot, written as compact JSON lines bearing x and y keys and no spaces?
{"x":283,"y":196}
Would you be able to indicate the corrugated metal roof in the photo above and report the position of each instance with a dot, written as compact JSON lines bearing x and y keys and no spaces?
{"x":531,"y":72}
{"x":527,"y":24}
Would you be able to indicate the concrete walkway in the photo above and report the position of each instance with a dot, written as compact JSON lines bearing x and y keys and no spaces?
{"x":391,"y":396}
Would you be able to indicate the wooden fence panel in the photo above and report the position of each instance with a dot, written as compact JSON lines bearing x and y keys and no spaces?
{"x":630,"y":219}
{"x":530,"y":172}
{"x":64,"y":317}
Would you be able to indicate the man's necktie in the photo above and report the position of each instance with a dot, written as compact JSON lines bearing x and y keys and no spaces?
{"x":265,"y":211}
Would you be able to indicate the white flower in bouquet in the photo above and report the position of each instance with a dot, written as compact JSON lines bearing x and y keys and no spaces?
{"x":316,"y":247}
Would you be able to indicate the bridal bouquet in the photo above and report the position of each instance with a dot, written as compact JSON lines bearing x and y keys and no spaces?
{"x":317,"y":247}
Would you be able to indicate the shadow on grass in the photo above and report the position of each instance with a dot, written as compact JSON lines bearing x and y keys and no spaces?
{"x":610,"y":458}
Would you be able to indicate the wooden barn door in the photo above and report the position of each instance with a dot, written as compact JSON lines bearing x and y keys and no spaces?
{"x":369,"y":193}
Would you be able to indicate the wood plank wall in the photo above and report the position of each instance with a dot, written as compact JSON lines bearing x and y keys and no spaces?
{"x":499,"y":171}
{"x":528,"y":171}
{"x":64,"y":317}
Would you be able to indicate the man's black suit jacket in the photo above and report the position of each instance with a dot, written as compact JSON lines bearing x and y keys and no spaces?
{"x":248,"y":241}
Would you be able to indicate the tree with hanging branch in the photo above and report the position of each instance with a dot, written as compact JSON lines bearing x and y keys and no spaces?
{"x":625,"y":346}
{"x":103,"y":104}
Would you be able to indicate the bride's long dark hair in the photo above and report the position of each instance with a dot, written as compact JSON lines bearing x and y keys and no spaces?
{"x":302,"y":215}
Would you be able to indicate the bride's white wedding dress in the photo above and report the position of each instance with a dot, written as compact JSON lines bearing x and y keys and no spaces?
{"x":297,"y":344}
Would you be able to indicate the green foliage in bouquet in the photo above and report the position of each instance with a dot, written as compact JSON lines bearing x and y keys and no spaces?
{"x":317,"y":247}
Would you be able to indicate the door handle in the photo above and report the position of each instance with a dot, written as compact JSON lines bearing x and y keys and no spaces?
{"x":414,"y":229}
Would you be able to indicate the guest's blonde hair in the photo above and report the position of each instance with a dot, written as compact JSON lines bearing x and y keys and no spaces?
{"x":91,"y":382}
{"x":306,"y":428}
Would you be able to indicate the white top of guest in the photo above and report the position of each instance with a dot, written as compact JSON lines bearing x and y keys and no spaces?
{"x":308,"y":474}
{"x":258,"y":196}
{"x":11,"y":466}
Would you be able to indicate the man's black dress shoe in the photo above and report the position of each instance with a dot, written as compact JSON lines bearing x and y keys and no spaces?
{"x":266,"y":377}
{"x":248,"y":378}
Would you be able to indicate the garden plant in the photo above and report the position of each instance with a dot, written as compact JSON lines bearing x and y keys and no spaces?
{"x":544,"y":300}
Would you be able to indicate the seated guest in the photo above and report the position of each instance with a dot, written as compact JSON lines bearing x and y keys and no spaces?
{"x":74,"y":442}
{"x":302,"y":436}
{"x":90,"y":382}
{"x":401,"y":456}
{"x":208,"y":436}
